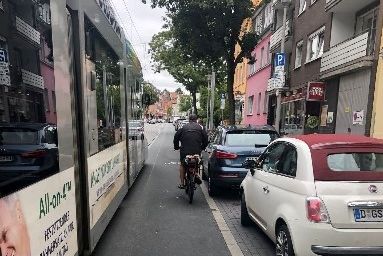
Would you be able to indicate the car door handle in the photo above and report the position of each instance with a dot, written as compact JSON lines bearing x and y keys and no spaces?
{"x":266,"y":190}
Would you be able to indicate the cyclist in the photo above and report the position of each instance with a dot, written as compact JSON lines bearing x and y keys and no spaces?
{"x":193,"y":140}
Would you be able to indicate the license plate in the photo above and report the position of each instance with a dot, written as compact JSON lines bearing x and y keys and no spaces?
{"x":368,"y":215}
{"x":6,"y":158}
{"x":251,"y":158}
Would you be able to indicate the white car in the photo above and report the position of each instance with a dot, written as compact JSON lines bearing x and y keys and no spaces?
{"x":318,"y":195}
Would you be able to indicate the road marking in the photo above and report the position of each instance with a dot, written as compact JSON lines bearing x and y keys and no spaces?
{"x":230,"y":241}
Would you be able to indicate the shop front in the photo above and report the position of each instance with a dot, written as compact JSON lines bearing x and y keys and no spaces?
{"x":301,"y":109}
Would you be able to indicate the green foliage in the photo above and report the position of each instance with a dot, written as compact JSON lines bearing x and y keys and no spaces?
{"x":207,"y":31}
{"x":150,"y":94}
{"x":169,"y":111}
{"x":185,"y":103}
{"x":179,"y":91}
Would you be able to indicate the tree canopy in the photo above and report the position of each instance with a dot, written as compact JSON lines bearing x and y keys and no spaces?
{"x":150,"y":94}
{"x":207,"y":31}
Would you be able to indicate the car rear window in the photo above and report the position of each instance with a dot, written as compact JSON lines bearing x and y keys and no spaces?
{"x":356,"y":162}
{"x":18,"y":136}
{"x":250,"y":138}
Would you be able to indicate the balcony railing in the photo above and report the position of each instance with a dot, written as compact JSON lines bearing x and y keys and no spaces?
{"x":27,"y":30}
{"x":277,"y":36}
{"x":32,"y":79}
{"x":345,"y":52}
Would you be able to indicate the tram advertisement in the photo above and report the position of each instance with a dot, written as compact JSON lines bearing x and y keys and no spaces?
{"x":43,"y":217}
{"x":105,"y":179}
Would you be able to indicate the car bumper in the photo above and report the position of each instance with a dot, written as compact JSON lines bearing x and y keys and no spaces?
{"x":337,"y":250}
{"x":323,"y":239}
{"x":229,"y":177}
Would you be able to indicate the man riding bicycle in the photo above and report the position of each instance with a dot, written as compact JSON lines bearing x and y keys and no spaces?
{"x":193,"y":140}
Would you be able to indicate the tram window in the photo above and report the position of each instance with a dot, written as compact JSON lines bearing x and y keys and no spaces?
{"x":108,"y":96}
{"x":28,"y":121}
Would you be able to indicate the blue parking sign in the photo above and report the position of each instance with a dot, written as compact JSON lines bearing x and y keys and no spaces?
{"x":3,"y":55}
{"x":280,"y":59}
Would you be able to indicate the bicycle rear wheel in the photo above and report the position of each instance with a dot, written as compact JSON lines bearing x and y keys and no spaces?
{"x":191,"y":189}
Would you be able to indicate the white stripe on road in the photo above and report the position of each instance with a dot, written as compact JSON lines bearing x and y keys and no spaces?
{"x":230,"y":241}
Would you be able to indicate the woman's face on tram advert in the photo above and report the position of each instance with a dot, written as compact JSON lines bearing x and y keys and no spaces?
{"x":14,"y":238}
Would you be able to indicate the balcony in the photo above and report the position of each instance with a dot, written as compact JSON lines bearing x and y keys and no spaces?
{"x":346,"y":6}
{"x":279,"y":4}
{"x":277,"y":36}
{"x":32,"y":79}
{"x":347,"y":56}
{"x":27,"y":31}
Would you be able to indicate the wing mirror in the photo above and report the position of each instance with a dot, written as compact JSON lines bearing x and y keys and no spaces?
{"x":250,"y":164}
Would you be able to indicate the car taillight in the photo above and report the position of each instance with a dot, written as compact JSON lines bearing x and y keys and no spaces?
{"x":224,"y":155}
{"x":316,"y":210}
{"x":35,"y":154}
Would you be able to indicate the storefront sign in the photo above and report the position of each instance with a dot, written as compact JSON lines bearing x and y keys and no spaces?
{"x":110,"y":16}
{"x":274,"y":83}
{"x":43,"y":217}
{"x":358,"y":117}
{"x":316,"y":91}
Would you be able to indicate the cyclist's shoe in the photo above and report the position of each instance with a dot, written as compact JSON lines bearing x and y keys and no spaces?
{"x":198,"y":180}
{"x":180,"y":186}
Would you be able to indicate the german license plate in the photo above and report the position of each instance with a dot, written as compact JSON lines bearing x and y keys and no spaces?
{"x":6,"y":158}
{"x":251,"y":158}
{"x":368,"y":215}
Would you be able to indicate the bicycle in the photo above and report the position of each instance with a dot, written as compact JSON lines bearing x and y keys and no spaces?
{"x":192,"y":163}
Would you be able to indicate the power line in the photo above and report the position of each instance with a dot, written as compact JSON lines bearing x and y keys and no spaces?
{"x":134,"y":25}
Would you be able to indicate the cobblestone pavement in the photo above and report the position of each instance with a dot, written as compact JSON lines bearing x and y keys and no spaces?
{"x":251,"y":240}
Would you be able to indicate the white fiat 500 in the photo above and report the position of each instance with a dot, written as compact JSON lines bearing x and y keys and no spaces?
{"x":318,"y":195}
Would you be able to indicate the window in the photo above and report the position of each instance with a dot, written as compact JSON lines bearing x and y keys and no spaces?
{"x":262,"y":56}
{"x":268,"y":53}
{"x":250,"y":103}
{"x":250,"y":138}
{"x":269,"y":15}
{"x":367,"y":23}
{"x":271,"y":157}
{"x":46,"y":100}
{"x":258,"y":28}
{"x":302,"y":6}
{"x":280,"y":158}
{"x":356,"y":162}
{"x":265,"y":104}
{"x":298,"y":54}
{"x":54,"y":100}
{"x":259,"y":103}
{"x":315,"y":45}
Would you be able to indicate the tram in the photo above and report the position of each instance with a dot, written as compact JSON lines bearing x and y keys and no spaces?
{"x":70,"y":97}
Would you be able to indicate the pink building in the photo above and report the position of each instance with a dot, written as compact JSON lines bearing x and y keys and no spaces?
{"x":256,"y":100}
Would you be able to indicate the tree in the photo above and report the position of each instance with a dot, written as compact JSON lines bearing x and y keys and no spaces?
{"x":169,"y":111}
{"x":167,"y":56}
{"x":150,"y":94}
{"x":185,"y":103}
{"x":179,"y":91}
{"x":209,"y":31}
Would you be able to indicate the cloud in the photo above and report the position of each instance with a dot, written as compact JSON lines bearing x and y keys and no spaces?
{"x":146,"y":23}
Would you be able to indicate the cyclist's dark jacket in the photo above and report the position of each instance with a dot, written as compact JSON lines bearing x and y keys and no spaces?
{"x":193,"y":139}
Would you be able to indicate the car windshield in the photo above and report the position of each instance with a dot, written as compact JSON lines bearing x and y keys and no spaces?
{"x":356,"y":162}
{"x":18,"y":136}
{"x":250,"y":138}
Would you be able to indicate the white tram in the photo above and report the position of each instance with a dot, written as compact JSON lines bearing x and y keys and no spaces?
{"x":70,"y":89}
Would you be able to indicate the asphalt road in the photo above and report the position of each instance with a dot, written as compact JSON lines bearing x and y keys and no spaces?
{"x":156,"y":219}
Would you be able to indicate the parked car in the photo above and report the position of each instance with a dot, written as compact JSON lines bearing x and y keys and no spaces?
{"x":28,"y":153}
{"x":318,"y":195}
{"x":229,"y":148}
{"x":152,"y":121}
{"x":178,"y":122}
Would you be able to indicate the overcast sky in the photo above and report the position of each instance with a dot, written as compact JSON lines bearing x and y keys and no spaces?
{"x":146,"y":23}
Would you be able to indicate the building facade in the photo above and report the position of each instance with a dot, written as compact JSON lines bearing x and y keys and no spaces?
{"x":348,"y":65}
{"x":377,"y":116}
{"x":259,"y":72}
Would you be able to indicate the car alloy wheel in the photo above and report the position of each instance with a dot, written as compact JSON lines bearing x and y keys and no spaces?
{"x":284,"y":245}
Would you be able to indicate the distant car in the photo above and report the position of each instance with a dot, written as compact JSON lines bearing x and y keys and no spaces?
{"x":318,"y":195}
{"x":136,"y":129}
{"x":182,"y":123}
{"x":178,"y":122}
{"x":28,"y":153}
{"x":152,"y":121}
{"x":230,"y":146}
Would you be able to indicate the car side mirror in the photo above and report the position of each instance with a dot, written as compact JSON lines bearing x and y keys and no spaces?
{"x":250,"y":164}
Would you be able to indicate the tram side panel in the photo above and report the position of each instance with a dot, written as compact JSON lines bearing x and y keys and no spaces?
{"x":37,"y":184}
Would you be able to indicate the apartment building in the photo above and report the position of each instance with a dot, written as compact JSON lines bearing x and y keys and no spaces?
{"x":256,"y":99}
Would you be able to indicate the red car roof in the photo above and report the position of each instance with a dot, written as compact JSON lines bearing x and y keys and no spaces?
{"x":333,"y":140}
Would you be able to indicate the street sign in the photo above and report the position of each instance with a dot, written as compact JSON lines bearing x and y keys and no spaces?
{"x":223,"y":103}
{"x":280,"y":59}
{"x":274,"y":83}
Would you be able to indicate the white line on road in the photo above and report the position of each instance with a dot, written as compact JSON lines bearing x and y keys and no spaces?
{"x":230,"y":241}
